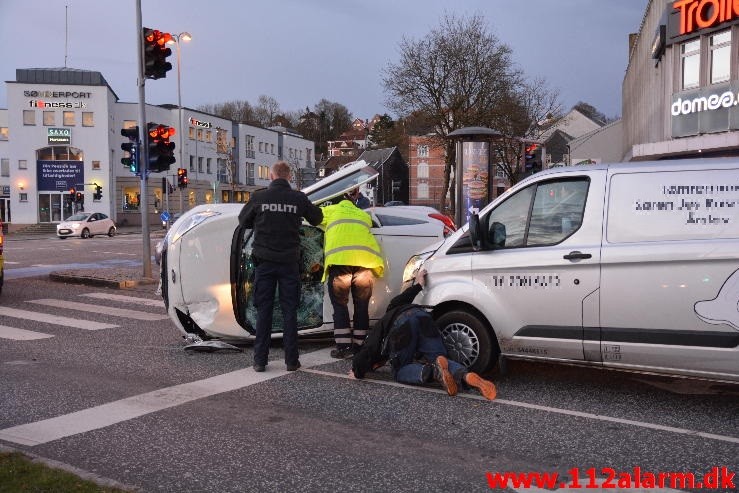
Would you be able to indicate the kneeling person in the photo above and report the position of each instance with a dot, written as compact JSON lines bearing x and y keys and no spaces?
{"x":407,"y":337}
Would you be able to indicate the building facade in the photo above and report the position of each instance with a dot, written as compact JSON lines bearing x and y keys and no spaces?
{"x":62,"y":131}
{"x":681,"y":87}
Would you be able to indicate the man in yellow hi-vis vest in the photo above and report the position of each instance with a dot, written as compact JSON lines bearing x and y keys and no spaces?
{"x":352,"y":261}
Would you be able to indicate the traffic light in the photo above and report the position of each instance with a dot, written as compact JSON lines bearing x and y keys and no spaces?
{"x":131,"y":161}
{"x":531,"y":163}
{"x":156,"y":53}
{"x":182,"y":178}
{"x":98,"y":193}
{"x":72,"y":194}
{"x":161,"y":150}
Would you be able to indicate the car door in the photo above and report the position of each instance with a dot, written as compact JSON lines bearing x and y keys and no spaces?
{"x":539,"y":267}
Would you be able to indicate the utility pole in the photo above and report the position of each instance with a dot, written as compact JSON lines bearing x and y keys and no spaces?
{"x":144,"y":151}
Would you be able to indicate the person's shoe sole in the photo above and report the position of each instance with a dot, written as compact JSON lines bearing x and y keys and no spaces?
{"x":447,"y":380}
{"x":259,"y":368}
{"x":486,"y":387}
{"x":293,"y":367}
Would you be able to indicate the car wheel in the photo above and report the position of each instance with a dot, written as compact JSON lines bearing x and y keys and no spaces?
{"x":468,"y":340}
{"x":111,"y":232}
{"x":85,"y":233}
{"x":62,"y":237}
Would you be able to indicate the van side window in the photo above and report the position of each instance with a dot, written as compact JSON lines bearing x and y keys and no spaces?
{"x":542,"y":214}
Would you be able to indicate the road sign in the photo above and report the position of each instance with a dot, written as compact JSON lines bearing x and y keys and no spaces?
{"x":164,"y":216}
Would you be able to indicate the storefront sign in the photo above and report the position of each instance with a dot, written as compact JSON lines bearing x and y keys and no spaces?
{"x":57,"y":94}
{"x":198,"y":123}
{"x":701,"y":14}
{"x":59,"y":136}
{"x":59,"y":175}
{"x":40,"y":103}
{"x":714,"y":109}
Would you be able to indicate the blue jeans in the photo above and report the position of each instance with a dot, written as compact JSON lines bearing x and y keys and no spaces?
{"x":342,"y":280}
{"x":427,"y":343}
{"x":268,"y":276}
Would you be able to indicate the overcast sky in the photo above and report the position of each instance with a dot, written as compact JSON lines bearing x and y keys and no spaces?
{"x":300,"y":51}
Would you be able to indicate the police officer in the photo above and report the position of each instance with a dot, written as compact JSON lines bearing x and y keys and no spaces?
{"x":275,"y":215}
{"x":352,"y":261}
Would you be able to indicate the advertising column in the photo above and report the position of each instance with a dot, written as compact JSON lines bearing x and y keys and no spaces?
{"x":475,"y":178}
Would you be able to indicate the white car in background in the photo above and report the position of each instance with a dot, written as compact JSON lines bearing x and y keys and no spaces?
{"x":207,"y":271}
{"x":86,"y":225}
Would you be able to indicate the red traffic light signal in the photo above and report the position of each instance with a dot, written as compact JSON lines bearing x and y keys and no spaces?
{"x":182,"y":180}
{"x":161,"y":150}
{"x":156,"y":53}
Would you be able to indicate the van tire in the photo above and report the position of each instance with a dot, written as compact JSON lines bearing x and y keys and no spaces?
{"x":468,"y":340}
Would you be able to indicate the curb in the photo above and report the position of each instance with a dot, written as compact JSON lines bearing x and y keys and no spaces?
{"x":96,"y":281}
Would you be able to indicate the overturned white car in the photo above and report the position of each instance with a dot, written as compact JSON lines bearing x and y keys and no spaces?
{"x":207,"y":272}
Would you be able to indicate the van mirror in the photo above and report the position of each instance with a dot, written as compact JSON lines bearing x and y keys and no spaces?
{"x":474,"y":230}
{"x":497,"y":235}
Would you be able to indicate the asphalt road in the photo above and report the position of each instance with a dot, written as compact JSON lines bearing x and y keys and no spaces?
{"x":108,"y":388}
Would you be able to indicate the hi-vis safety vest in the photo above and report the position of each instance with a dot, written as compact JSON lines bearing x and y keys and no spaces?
{"x":348,"y":239}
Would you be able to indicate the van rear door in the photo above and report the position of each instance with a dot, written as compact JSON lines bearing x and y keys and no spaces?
{"x":539,"y":268}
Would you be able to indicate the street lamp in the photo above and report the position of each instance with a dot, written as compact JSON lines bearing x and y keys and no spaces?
{"x":176,"y":38}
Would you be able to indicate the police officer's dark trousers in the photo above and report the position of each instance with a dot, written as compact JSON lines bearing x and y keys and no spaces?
{"x":286,"y":278}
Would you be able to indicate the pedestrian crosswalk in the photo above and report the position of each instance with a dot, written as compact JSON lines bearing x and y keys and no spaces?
{"x":74,"y":314}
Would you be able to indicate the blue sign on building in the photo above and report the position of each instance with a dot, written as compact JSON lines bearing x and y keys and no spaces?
{"x":57,"y":176}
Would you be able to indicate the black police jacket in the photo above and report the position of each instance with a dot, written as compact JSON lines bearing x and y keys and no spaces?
{"x":275,"y":215}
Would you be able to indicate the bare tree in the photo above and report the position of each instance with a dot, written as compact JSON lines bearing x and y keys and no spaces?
{"x":458,"y":75}
{"x":236,"y":110}
{"x":266,"y":110}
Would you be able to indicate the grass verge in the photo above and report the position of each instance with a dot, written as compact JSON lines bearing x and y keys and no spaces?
{"x":19,"y":473}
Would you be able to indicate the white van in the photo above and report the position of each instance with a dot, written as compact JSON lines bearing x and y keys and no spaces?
{"x":632,"y":266}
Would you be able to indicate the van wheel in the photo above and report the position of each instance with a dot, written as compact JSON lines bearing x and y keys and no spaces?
{"x":468,"y":341}
{"x":85,"y":233}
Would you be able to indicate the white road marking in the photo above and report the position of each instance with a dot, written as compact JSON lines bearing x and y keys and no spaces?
{"x":8,"y":262}
{"x":85,"y":307}
{"x":125,"y":299}
{"x":50,"y":318}
{"x":597,"y":417}
{"x":21,"y":334}
{"x":97,"y":417}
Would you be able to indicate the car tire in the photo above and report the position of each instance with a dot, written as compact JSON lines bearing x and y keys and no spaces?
{"x":85,"y":233}
{"x":62,"y":237}
{"x":111,"y":232}
{"x":468,"y":340}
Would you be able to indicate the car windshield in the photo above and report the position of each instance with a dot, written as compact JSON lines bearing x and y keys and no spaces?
{"x":80,"y":216}
{"x":341,"y":181}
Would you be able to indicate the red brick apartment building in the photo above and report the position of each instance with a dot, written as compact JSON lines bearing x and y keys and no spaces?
{"x":426,"y":170}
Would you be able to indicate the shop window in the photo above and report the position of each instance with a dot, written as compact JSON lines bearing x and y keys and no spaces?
{"x":191,"y":198}
{"x":96,"y":165}
{"x":131,"y":198}
{"x":87,"y":119}
{"x":423,"y":170}
{"x":49,"y":118}
{"x":3,"y":133}
{"x":29,"y":117}
{"x":209,"y":196}
{"x":68,"y":118}
{"x":720,"y":57}
{"x":225,"y":199}
{"x":690,"y":64}
{"x":22,"y":164}
{"x":4,"y":167}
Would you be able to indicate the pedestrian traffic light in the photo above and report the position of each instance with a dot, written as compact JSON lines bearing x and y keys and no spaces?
{"x":182,"y":178}
{"x":98,"y":193}
{"x":72,"y":194}
{"x":131,"y":160}
{"x":156,"y":53}
{"x":161,"y":150}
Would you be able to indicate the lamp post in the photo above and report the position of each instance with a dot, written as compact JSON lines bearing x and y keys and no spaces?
{"x":176,"y":38}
